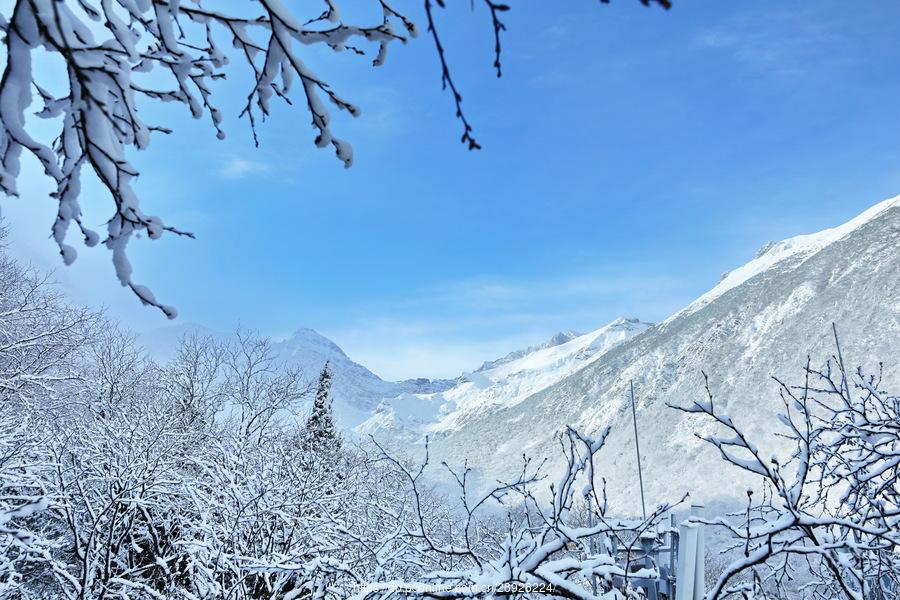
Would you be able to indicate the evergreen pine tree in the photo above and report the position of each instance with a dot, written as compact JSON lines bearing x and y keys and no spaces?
{"x":321,"y":434}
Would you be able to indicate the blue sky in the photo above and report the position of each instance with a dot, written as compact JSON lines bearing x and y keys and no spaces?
{"x":631,"y":156}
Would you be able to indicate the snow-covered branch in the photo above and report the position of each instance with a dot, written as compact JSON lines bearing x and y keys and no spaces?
{"x":511,"y":539}
{"x":114,"y":55}
{"x":114,"y":58}
{"x":828,"y":520}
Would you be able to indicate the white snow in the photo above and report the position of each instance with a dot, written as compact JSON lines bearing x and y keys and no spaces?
{"x":501,"y":383}
{"x":800,"y":247}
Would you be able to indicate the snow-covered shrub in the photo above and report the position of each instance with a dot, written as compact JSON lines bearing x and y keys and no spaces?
{"x":119,"y":479}
{"x":537,"y":546}
{"x":258,"y":391}
{"x":42,"y":337}
{"x":826,"y":523}
{"x":43,"y":341}
{"x":23,"y":498}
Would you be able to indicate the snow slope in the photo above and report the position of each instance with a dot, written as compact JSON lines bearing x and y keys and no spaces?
{"x":799,"y":248}
{"x":497,"y":384}
{"x":762,"y":319}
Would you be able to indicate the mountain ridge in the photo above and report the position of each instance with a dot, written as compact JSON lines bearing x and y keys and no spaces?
{"x":763,"y":324}
{"x":503,"y":382}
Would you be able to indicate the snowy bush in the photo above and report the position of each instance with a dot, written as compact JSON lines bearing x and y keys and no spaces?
{"x":826,"y":523}
{"x":220,"y":474}
{"x":22,"y":501}
{"x":534,"y":546}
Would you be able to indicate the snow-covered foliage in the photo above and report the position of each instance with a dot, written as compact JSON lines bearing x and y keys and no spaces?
{"x":114,"y":57}
{"x":40,"y":335}
{"x":322,"y":436}
{"x":123,"y":477}
{"x":22,"y":499}
{"x":827,"y":521}
{"x":539,"y":546}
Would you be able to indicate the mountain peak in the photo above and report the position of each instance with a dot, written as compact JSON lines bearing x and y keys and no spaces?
{"x":561,"y":338}
{"x":621,"y":324}
{"x":797,"y":249}
{"x":763,"y":249}
{"x":310,"y":338}
{"x":626,"y":323}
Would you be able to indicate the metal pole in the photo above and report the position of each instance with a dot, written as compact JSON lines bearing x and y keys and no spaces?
{"x":837,"y":343}
{"x":637,"y":447}
{"x":673,"y":558}
{"x":845,"y":387}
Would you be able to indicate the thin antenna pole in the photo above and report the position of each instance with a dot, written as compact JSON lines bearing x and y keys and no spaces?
{"x":837,"y":344}
{"x":637,"y":447}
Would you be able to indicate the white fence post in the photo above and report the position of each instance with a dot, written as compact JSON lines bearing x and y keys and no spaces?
{"x":691,"y":573}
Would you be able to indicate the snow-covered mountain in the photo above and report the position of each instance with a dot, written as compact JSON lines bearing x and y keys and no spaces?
{"x":404,"y":411}
{"x":762,"y":319}
{"x":356,"y":391}
{"x":501,"y":383}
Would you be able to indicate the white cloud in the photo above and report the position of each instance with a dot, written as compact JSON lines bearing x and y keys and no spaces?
{"x":236,"y":168}
{"x":783,"y":42}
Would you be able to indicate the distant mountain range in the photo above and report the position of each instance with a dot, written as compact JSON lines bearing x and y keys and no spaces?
{"x":366,"y":404}
{"x":497,"y":384}
{"x":761,"y":319}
